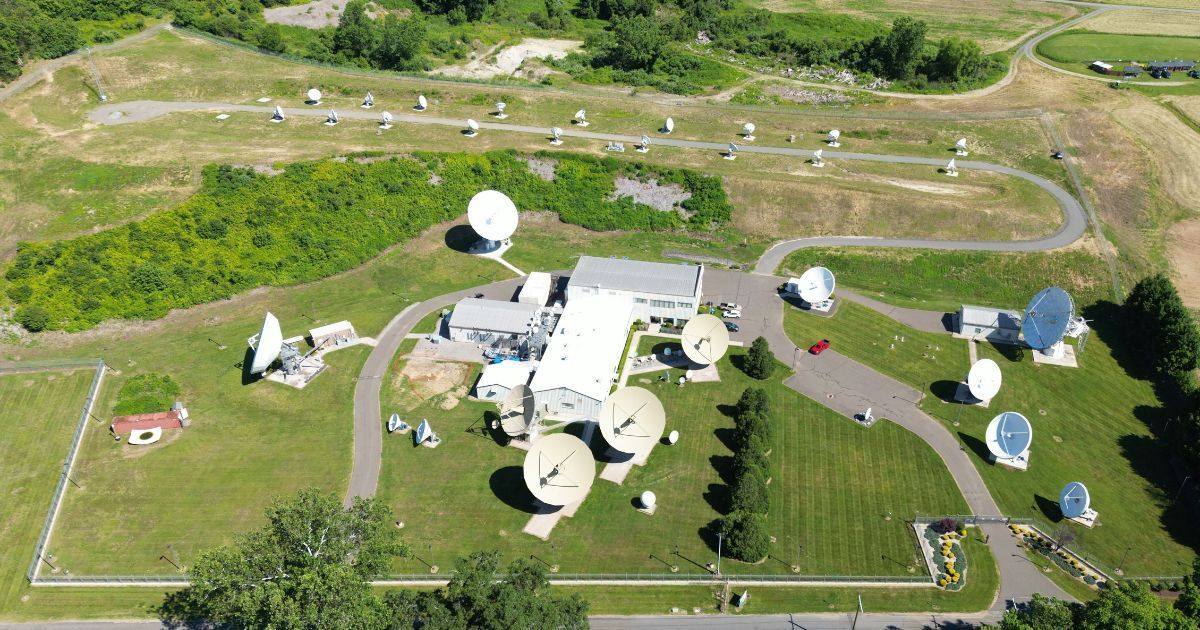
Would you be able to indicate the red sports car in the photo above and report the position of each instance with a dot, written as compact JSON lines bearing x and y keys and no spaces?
{"x":819,"y":347}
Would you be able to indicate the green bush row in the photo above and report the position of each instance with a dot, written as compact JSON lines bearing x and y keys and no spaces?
{"x":245,"y":229}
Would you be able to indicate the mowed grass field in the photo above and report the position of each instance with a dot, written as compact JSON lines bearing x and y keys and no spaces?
{"x":1089,"y":425}
{"x":1078,"y":46}
{"x":38,"y":416}
{"x":834,"y":486}
{"x":995,"y":24}
{"x":1144,"y":22}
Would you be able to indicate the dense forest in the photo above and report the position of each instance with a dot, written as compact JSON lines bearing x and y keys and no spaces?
{"x":245,"y":229}
{"x":637,"y":42}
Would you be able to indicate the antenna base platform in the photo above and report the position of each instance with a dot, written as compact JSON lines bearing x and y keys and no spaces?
{"x":1087,"y":519}
{"x":1020,"y":462}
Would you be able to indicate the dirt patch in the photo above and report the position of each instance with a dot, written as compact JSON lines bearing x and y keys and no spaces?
{"x":926,"y":187}
{"x":662,"y":197}
{"x":808,"y":96}
{"x":1184,"y":246}
{"x":426,"y":378}
{"x":508,"y":61}
{"x":315,"y":14}
{"x":543,"y":168}
{"x":1137,"y":22}
{"x":266,"y":169}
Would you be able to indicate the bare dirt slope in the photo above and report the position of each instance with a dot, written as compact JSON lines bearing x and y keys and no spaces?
{"x":509,"y":60}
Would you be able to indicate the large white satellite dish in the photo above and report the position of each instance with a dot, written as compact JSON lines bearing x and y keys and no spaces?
{"x":493,"y":215}
{"x":559,"y":469}
{"x":421,"y":103}
{"x":472,"y":127}
{"x":1074,"y":500}
{"x":984,"y":379}
{"x":268,"y":343}
{"x":1008,"y":435}
{"x":516,"y":411}
{"x":632,"y":419}
{"x":1047,"y":317}
{"x":816,"y":285}
{"x":314,"y":96}
{"x":705,"y":339}
{"x":669,"y":126}
{"x":581,"y":118}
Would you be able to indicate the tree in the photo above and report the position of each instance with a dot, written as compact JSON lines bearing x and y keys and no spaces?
{"x":34,"y":318}
{"x":1065,"y":536}
{"x":745,"y":536}
{"x":355,"y":33}
{"x":1168,"y":339}
{"x":1042,"y":613}
{"x":901,"y":48}
{"x":309,"y":566}
{"x":751,"y":461}
{"x":400,"y":43}
{"x":474,"y":599}
{"x":270,"y":37}
{"x":957,"y":59}
{"x":1130,"y":606}
{"x":1188,"y":602}
{"x":760,"y":362}
{"x":752,"y":424}
{"x":635,"y":43}
{"x":749,"y":494}
{"x":753,"y":399}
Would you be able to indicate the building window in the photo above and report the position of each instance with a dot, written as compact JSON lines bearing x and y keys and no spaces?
{"x":568,"y":405}
{"x":639,"y":300}
{"x":687,"y":305}
{"x":662,"y":304}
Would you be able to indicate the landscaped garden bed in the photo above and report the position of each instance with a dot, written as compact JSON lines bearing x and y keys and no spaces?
{"x":1060,"y":556}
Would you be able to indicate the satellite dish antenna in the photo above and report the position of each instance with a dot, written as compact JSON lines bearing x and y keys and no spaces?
{"x":368,"y":101}
{"x":559,"y":469}
{"x":705,"y":339}
{"x":385,"y":120}
{"x":648,"y":500}
{"x":672,"y":437}
{"x":632,"y":419}
{"x":645,"y":145}
{"x":1047,"y":317}
{"x":421,"y":103}
{"x":493,"y":215}
{"x":960,"y":147}
{"x":516,"y":411}
{"x":581,"y":118}
{"x":472,"y":128}
{"x":832,"y":139}
{"x":278,"y":115}
{"x":731,"y":153}
{"x":669,"y":125}
{"x":267,"y":344}
{"x":816,"y":285}
{"x":816,"y":159}
{"x":748,"y":132}
{"x":952,"y":168}
{"x":556,"y":136}
{"x":1074,"y":500}
{"x":500,"y":110}
{"x":332,"y":118}
{"x":984,"y":379}
{"x":314,"y":96}
{"x":1009,"y":435}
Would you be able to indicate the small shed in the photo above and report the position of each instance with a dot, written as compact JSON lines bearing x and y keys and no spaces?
{"x":990,"y":324}
{"x":1101,"y":67}
{"x":173,"y":419}
{"x":1132,"y":72}
{"x":536,"y":289}
{"x":332,"y":335}
{"x":497,"y":379}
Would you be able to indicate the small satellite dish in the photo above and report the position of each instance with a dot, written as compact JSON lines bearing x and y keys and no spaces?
{"x":672,"y":437}
{"x":559,"y":469}
{"x":748,"y":131}
{"x":984,"y":379}
{"x":632,"y":419}
{"x":314,"y":96}
{"x":581,"y":118}
{"x":952,"y":168}
{"x":368,"y":101}
{"x":267,"y":344}
{"x":555,"y":135}
{"x":385,"y":120}
{"x":1047,"y":317}
{"x":816,"y":285}
{"x":832,"y":139}
{"x":669,"y":126}
{"x":472,"y":127}
{"x":516,"y":411}
{"x":705,"y":339}
{"x":493,"y":215}
{"x":817,"y":161}
{"x":332,"y":118}
{"x":424,"y":432}
{"x":1008,"y":435}
{"x":960,"y":147}
{"x":731,"y":152}
{"x":421,"y":103}
{"x":1074,"y":500}
{"x":278,"y":116}
{"x":648,"y":499}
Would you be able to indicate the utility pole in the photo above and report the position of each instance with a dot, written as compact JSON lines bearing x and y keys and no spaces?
{"x":720,"y":535}
{"x":854,"y":624}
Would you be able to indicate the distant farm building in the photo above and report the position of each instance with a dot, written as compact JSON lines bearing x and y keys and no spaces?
{"x":660,"y":292}
{"x":990,"y":324}
{"x":1104,"y":68}
{"x":1175,"y":65}
{"x":173,"y":419}
{"x":1132,"y":72}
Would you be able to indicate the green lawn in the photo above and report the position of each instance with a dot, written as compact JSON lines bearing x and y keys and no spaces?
{"x":828,"y":471}
{"x":1079,"y":46}
{"x":1093,"y":430}
{"x":937,"y":280}
{"x":38,"y":416}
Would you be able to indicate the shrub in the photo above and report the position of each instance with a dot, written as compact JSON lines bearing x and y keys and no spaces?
{"x":750,"y":461}
{"x":753,"y":399}
{"x":33,"y":318}
{"x":749,"y":494}
{"x":146,"y":393}
{"x":753,"y":424}
{"x":759,"y":362}
{"x":746,"y":536}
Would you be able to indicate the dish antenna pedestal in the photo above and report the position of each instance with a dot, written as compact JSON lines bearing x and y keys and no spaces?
{"x":422,"y":104}
{"x":331,"y":119}
{"x":1008,"y":438}
{"x":748,"y":132}
{"x":278,"y":116}
{"x":555,"y":136}
{"x":368,"y":101}
{"x":385,"y":120}
{"x":500,"y":115}
{"x":817,"y":160}
{"x":472,"y":129}
{"x":581,"y":118}
{"x":731,"y":152}
{"x":951,"y":169}
{"x":960,"y":147}
{"x":644,"y":147}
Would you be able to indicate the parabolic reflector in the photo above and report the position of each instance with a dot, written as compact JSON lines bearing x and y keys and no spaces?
{"x":748,"y":129}
{"x":270,"y":343}
{"x":1047,"y":317}
{"x":422,"y":103}
{"x":492,"y":215}
{"x":669,"y":126}
{"x":705,"y":339}
{"x":816,"y":285}
{"x":314,"y":95}
{"x":632,"y":419}
{"x":1074,"y":500}
{"x":834,"y":135}
{"x":472,"y":125}
{"x":984,"y":379}
{"x":1009,"y":434}
{"x":559,"y":469}
{"x":581,"y":114}
{"x":516,"y":411}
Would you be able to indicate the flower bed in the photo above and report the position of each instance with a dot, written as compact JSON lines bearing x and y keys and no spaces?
{"x":948,"y":555}
{"x":1060,"y":556}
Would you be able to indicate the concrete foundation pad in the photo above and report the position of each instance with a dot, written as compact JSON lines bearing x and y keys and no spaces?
{"x":616,"y":471}
{"x":1066,"y":360}
{"x":1088,"y":519}
{"x":541,"y":525}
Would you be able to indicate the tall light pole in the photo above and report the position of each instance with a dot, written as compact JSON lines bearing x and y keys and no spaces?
{"x":1185,"y":480}
{"x":720,"y":535}
{"x":1126,"y":555}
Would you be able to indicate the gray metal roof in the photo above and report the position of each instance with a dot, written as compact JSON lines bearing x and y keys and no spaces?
{"x":637,"y":275}
{"x":494,"y":315}
{"x":986,"y":316}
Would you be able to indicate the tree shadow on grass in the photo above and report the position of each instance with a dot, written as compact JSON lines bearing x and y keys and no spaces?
{"x":508,"y":484}
{"x":723,"y":464}
{"x":728,"y":437}
{"x":976,"y":446}
{"x":1107,"y":322}
{"x":729,"y":411}
{"x":180,"y":611}
{"x":718,"y":497}
{"x":460,"y":238}
{"x":1153,"y":462}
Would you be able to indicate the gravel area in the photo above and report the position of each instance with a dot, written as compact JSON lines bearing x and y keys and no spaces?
{"x":540,"y":167}
{"x":660,"y":197}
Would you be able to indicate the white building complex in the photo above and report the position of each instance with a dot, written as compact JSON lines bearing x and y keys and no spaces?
{"x":580,"y":363}
{"x":659,"y":292}
{"x":479,"y":320}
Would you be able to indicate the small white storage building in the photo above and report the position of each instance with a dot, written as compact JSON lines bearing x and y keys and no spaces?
{"x":497,"y":379}
{"x":536,"y":289}
{"x":659,"y":292}
{"x":990,"y":324}
{"x":484,"y":321}
{"x":332,"y":335}
{"x":577,"y":369}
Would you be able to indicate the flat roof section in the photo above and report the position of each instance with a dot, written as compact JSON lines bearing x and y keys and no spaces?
{"x":637,"y":275}
{"x":495,"y":315}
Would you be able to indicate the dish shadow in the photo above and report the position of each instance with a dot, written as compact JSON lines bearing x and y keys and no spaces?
{"x":460,"y":238}
{"x":508,"y":484}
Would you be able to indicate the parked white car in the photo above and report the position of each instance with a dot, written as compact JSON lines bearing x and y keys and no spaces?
{"x":731,"y":306}
{"x":733,"y":314}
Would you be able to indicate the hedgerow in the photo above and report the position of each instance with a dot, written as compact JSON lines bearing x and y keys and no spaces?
{"x":245,"y":229}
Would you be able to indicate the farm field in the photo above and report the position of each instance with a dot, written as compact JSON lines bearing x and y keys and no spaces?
{"x":1078,"y":46}
{"x":1094,"y":429}
{"x":834,"y":485}
{"x":997,"y":25}
{"x":1143,"y":22}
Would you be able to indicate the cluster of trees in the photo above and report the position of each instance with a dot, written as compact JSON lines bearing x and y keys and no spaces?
{"x":760,"y":361}
{"x":745,"y":527}
{"x":245,"y":229}
{"x":1128,"y":605}
{"x":310,"y":566}
{"x":146,"y":393}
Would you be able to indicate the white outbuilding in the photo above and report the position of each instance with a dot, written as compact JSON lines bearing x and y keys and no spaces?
{"x":536,"y":289}
{"x":987,"y":323}
{"x":659,"y":292}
